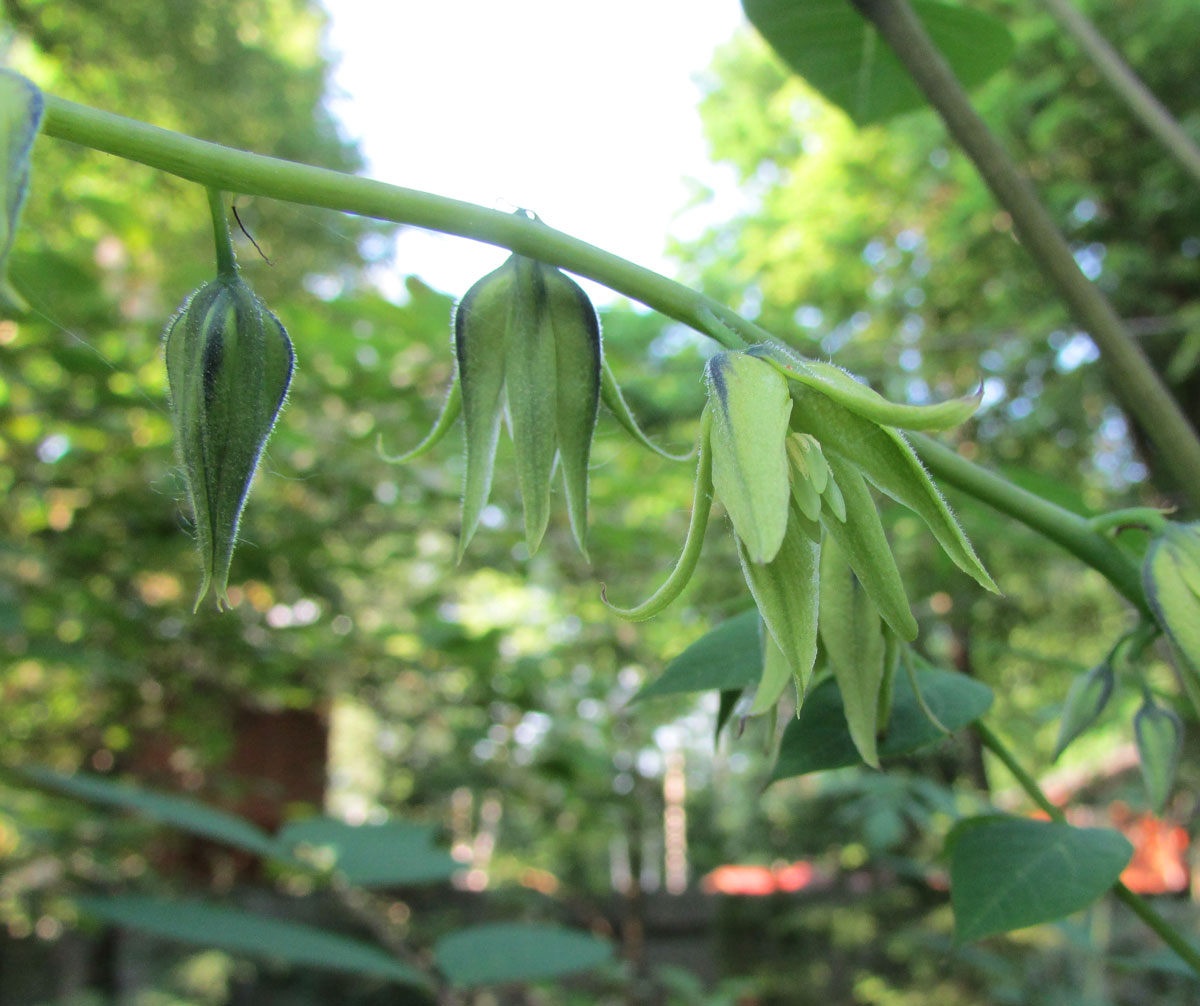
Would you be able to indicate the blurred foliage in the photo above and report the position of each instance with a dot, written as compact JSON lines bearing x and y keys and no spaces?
{"x":491,"y":698}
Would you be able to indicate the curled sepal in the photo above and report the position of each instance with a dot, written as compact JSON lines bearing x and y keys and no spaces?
{"x":1159,"y":735}
{"x":842,"y":387}
{"x":686,"y":566}
{"x":750,"y":408}
{"x":1171,"y":577}
{"x":785,"y":590}
{"x":451,"y":410}
{"x":21,"y":107}
{"x":480,"y":322}
{"x":887,"y":460}
{"x":861,"y":538}
{"x":1088,"y":695}
{"x":610,"y":394}
{"x":576,"y":328}
{"x":852,"y":632}
{"x":229,"y":364}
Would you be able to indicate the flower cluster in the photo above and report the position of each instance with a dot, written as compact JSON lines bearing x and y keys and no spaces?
{"x":791,"y":447}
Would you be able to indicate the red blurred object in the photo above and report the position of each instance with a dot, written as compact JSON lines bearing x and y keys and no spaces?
{"x":1159,"y":863}
{"x":756,"y":881}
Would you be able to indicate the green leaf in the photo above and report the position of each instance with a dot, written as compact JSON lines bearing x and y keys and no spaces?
{"x":240,"y":932}
{"x":177,"y":811}
{"x":818,"y":739}
{"x":727,"y":658}
{"x":831,"y":45}
{"x":375,"y":855}
{"x":21,"y":108}
{"x":498,"y":952}
{"x":1007,"y":872}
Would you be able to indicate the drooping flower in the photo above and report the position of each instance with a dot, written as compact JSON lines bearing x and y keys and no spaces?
{"x":790,"y":448}
{"x":527,"y":345}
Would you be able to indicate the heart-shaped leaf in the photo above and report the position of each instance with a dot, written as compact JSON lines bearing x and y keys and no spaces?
{"x":1009,"y":872}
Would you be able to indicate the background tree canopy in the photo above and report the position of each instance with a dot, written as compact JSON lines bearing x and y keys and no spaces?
{"x":362,"y":671}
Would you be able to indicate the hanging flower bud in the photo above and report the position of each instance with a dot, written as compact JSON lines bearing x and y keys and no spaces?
{"x":229,"y":364}
{"x":1159,"y":735}
{"x":527,"y":338}
{"x":1086,"y":700}
{"x":21,"y":107}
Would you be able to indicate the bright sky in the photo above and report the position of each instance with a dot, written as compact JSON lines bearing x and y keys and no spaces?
{"x":585,"y":114}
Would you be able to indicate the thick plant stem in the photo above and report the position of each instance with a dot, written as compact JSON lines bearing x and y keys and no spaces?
{"x":1137,"y":904}
{"x":1146,"y":108}
{"x":224,"y":168}
{"x":1137,"y":384}
{"x":1072,"y":532}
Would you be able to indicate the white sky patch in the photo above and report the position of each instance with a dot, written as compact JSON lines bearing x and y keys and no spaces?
{"x":584,"y":115}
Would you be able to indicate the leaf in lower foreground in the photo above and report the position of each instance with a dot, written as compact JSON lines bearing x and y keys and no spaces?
{"x":375,"y":855}
{"x":818,"y":738}
{"x":728,"y":657}
{"x":241,"y":932}
{"x":179,"y":812}
{"x":1007,"y":872}
{"x":496,"y":952}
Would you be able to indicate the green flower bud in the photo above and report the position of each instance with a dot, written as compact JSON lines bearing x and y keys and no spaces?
{"x":1086,"y":700}
{"x":527,"y":337}
{"x":1159,"y":735}
{"x":229,"y":363}
{"x":21,"y":108}
{"x":1171,"y":576}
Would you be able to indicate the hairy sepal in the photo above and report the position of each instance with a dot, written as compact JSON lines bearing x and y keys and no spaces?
{"x":750,"y":409}
{"x":852,"y":633}
{"x":786,"y":592}
{"x":886,"y":459}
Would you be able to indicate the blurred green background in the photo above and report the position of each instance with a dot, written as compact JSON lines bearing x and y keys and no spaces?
{"x":362,"y":671}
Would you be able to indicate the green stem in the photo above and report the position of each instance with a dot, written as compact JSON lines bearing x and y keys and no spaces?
{"x":215,"y":166}
{"x":1146,"y":108}
{"x":1137,"y":904}
{"x":226,"y":262}
{"x":231,"y":170}
{"x":1072,"y":532}
{"x":1135,"y":381}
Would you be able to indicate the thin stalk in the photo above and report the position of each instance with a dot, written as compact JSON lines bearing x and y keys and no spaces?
{"x":1069,"y":530}
{"x":1146,"y":108}
{"x":1137,"y":904}
{"x":226,"y":262}
{"x":1137,"y":384}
